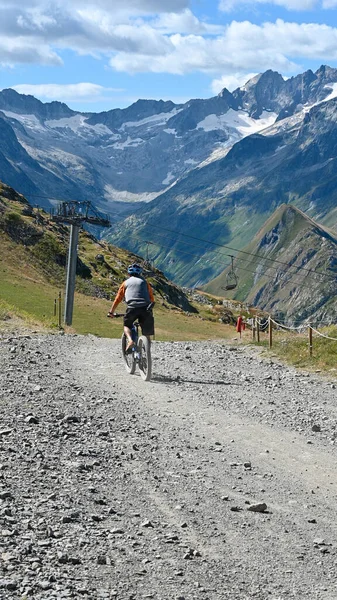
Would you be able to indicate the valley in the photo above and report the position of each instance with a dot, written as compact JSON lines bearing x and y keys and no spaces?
{"x":33,"y":253}
{"x":193,"y":184}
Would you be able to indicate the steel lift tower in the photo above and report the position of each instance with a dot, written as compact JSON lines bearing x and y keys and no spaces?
{"x":75,"y":214}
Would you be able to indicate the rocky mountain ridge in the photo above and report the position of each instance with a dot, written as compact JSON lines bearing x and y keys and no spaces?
{"x":289,"y":269}
{"x":269,"y":91}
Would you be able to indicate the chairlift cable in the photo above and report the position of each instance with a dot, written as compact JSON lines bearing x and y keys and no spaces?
{"x":277,"y":269}
{"x":312,"y":271}
{"x":201,"y":258}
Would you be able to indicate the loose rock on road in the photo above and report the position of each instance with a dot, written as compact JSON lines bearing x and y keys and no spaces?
{"x":217,"y":480}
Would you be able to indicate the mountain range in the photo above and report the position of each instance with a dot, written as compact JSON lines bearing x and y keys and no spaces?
{"x":121,"y":157}
{"x":227,"y":201}
{"x":181,"y":180}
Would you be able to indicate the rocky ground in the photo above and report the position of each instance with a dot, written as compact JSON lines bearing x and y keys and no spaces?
{"x":217,"y":480}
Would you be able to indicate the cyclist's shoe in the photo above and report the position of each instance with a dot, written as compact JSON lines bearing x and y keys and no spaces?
{"x":130,"y":346}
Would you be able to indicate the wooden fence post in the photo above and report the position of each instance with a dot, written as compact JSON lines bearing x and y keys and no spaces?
{"x":254,"y":329}
{"x":270,"y":332}
{"x":310,"y":340}
{"x":258,"y":330}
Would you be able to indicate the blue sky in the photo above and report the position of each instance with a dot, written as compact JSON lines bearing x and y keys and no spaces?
{"x":101,"y":54}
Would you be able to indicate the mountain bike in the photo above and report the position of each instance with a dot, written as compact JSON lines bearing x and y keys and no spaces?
{"x":140,"y":353}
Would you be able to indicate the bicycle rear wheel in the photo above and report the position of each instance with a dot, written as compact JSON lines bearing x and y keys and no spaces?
{"x":145,"y":361}
{"x":129,"y":359}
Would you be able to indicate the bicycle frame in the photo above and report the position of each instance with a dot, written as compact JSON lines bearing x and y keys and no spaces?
{"x":134,"y":332}
{"x":139,"y":354}
{"x":135,"y":336}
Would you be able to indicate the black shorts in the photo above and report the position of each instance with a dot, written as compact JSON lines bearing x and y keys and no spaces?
{"x":145,"y":318}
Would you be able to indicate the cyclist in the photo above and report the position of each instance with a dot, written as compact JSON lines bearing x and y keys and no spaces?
{"x":138,"y":296}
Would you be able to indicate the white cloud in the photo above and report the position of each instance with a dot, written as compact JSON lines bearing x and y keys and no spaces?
{"x":99,"y":33}
{"x":88,"y":30}
{"x":55,"y":91}
{"x":150,"y":6}
{"x":26,"y":51}
{"x":243,"y":47}
{"x":113,"y":6}
{"x":297,"y":5}
{"x":160,"y":36}
{"x":232,"y":81}
{"x":184,"y":22}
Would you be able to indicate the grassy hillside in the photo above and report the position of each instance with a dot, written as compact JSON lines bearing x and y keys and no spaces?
{"x":32,"y":273}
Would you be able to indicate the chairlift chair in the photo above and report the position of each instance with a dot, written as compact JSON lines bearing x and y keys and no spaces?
{"x":231,"y":277}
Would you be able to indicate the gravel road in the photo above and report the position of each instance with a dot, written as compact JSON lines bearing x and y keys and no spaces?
{"x":217,"y":480}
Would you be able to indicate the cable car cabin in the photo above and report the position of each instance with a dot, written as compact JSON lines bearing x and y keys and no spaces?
{"x":231,"y":277}
{"x":231,"y":281}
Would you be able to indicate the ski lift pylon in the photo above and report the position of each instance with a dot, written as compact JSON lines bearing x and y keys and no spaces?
{"x":148,"y":264}
{"x":231,"y":277}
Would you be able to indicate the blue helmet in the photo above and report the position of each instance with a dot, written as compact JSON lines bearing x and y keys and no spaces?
{"x":135,"y":269}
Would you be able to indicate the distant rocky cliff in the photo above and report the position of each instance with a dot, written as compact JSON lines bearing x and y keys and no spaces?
{"x":289,"y":269}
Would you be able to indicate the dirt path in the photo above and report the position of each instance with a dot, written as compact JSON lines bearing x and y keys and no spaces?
{"x":111,"y":487}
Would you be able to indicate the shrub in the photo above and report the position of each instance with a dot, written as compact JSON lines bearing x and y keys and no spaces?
{"x":13,"y":218}
{"x":48,"y":249}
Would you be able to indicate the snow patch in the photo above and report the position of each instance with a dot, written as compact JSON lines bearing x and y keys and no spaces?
{"x":76,"y":124}
{"x":221,"y":151}
{"x":239,"y":120}
{"x":28,"y":121}
{"x":333,"y":94}
{"x":168,"y":179}
{"x":125,"y":196}
{"x":153,"y":121}
{"x":191,"y":161}
{"x":170,"y":131}
{"x":129,"y":142}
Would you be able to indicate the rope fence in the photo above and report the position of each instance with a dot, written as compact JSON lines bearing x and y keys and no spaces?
{"x":271,"y":324}
{"x":323,"y":335}
{"x":299,"y":329}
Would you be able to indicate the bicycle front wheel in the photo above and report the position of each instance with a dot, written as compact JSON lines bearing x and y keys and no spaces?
{"x":129,"y":359}
{"x":145,"y":361}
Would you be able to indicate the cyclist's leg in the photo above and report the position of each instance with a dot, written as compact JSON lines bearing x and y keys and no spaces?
{"x":127,"y":332}
{"x":146,"y":321}
{"x":130,"y":317}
